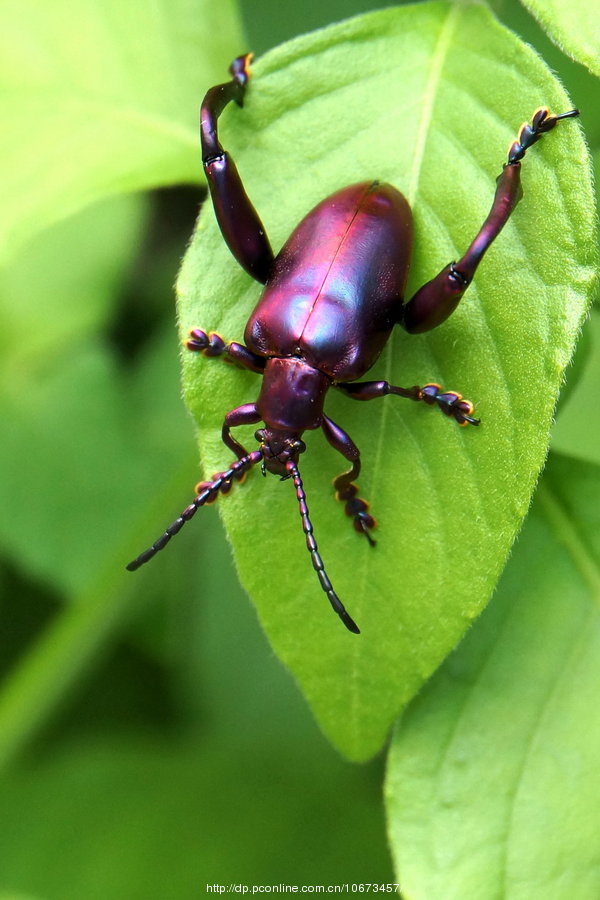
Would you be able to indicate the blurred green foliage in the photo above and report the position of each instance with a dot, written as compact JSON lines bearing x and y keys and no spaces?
{"x":150,"y":742}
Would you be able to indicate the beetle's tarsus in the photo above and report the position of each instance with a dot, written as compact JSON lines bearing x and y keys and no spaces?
{"x":208,"y":343}
{"x":542,"y":121}
{"x":240,"y":70}
{"x":451,"y":403}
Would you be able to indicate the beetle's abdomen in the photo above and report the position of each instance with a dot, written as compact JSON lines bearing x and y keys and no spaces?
{"x":337,"y":284}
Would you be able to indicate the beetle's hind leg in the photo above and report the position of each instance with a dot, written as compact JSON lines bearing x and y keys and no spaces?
{"x":239,"y":222}
{"x":212,"y":344}
{"x":451,"y":403}
{"x":436,"y":300}
{"x":344,"y":485}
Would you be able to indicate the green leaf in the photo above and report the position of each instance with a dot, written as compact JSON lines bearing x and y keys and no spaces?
{"x":63,"y":287}
{"x":493,"y":782}
{"x":408,"y":96}
{"x":573,"y":26}
{"x":151,"y":820}
{"x":78,"y":501}
{"x":100,"y":100}
{"x":77,"y":418}
{"x":81,"y":491}
{"x":577,"y":429}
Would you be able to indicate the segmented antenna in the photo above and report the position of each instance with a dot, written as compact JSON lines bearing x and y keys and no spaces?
{"x":311,"y":544}
{"x":207,"y":494}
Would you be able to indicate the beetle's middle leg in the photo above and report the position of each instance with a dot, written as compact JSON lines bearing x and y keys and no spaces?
{"x":212,"y":344}
{"x":345,"y":488}
{"x":451,"y":403}
{"x":436,"y":300}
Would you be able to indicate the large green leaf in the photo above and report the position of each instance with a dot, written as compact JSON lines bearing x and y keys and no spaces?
{"x":151,"y":820}
{"x":100,"y":98}
{"x":74,"y":417}
{"x":78,"y":493}
{"x":62,"y":288}
{"x":428,"y":98}
{"x":577,"y":428}
{"x":573,"y":26}
{"x":493,"y":776}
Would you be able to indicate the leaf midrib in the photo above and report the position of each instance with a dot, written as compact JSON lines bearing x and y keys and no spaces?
{"x":427,"y":106}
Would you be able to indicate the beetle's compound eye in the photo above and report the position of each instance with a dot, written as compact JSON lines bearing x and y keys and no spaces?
{"x":299,"y":446}
{"x":259,"y":435}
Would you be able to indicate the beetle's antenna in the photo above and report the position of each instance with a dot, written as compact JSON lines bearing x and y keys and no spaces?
{"x":311,"y":543}
{"x":205,"y":496}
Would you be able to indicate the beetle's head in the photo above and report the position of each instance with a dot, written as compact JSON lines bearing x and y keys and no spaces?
{"x":278,"y":447}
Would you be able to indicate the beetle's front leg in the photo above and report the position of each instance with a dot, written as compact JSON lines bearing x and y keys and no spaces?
{"x":345,"y":489}
{"x":212,"y":344}
{"x":436,"y":300}
{"x":243,"y":415}
{"x":450,"y":402}
{"x":239,"y":222}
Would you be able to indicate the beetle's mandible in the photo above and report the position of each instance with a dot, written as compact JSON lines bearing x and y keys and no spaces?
{"x":332,"y":296}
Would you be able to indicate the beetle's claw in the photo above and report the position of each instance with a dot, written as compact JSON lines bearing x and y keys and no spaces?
{"x":365,"y":522}
{"x":357,"y":508}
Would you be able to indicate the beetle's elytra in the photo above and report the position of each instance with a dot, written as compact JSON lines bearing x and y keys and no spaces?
{"x":332,"y":296}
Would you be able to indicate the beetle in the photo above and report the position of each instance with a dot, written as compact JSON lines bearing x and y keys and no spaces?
{"x":332,"y":296}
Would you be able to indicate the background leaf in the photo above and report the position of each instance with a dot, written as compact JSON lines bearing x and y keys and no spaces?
{"x":493,"y":772}
{"x":134,"y":706}
{"x":170,"y":799}
{"x":577,"y":429}
{"x":573,"y":26}
{"x":78,"y":494}
{"x":100,"y":99}
{"x":418,"y":83}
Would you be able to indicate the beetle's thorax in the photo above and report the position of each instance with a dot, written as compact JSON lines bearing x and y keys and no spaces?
{"x":292,"y":395}
{"x":290,"y":402}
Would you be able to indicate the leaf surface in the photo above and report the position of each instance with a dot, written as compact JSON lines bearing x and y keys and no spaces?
{"x":576,"y":431}
{"x":411,"y":96}
{"x":151,"y":819}
{"x":493,"y":779}
{"x":573,"y":26}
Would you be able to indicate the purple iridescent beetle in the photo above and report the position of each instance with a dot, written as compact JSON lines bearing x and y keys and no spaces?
{"x":332,"y":296}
